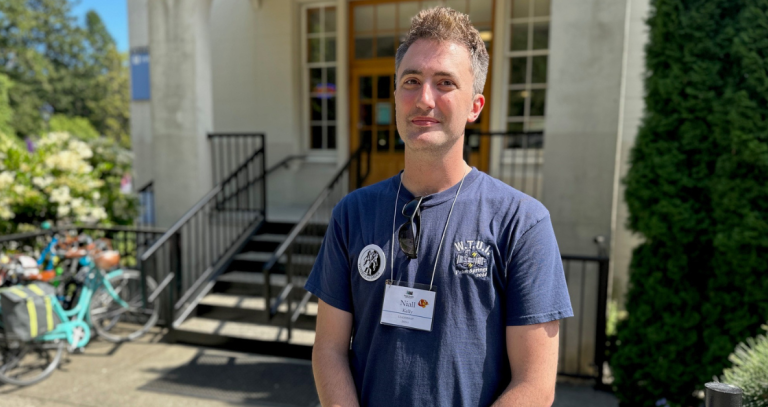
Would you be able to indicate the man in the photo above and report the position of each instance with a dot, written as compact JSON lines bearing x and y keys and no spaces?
{"x":453,"y":299}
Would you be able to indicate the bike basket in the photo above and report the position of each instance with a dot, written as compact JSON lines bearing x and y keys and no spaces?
{"x":27,"y":311}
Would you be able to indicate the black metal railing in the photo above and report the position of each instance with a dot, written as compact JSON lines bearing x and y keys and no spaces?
{"x":582,"y":338}
{"x":518,"y":158}
{"x":201,"y":244}
{"x":298,"y":252}
{"x":128,"y":241}
{"x":229,"y":150}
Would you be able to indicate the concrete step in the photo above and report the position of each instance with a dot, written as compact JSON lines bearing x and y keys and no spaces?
{"x":248,"y":331}
{"x":244,"y":302}
{"x":251,"y":283}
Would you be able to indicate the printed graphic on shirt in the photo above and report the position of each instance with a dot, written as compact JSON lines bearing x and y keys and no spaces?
{"x":471,"y":257}
{"x":371,"y":262}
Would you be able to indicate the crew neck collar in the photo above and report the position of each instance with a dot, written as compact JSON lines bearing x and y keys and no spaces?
{"x":433,"y":199}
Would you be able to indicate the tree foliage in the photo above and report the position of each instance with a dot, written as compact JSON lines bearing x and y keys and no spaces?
{"x":54,"y":61}
{"x":697,"y":191}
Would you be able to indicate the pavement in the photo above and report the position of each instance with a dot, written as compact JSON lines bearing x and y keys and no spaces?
{"x":149,"y":373}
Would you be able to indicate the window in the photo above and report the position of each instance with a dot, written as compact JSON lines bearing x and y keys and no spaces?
{"x":527,"y":54}
{"x":320,"y":33}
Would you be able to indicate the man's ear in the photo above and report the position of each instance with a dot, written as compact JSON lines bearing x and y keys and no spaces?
{"x":477,"y":106}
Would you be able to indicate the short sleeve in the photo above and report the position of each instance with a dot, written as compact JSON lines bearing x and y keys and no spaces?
{"x":536,"y":290}
{"x":329,"y":279}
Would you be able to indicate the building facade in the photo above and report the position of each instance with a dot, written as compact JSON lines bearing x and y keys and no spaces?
{"x":317,"y":78}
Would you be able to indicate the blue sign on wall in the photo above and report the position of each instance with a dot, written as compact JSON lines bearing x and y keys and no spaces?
{"x":140,"y":74}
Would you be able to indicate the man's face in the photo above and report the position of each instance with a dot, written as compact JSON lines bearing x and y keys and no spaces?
{"x":433,"y":99}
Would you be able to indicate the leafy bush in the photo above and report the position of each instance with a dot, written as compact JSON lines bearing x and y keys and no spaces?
{"x":697,"y":192}
{"x":64,"y":179}
{"x":750,"y":370}
{"x":77,"y":126}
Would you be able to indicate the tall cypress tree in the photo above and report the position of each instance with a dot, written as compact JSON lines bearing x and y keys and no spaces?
{"x":697,"y":192}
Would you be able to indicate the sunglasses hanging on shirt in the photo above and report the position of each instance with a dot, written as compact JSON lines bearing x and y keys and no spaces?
{"x":409,"y":233}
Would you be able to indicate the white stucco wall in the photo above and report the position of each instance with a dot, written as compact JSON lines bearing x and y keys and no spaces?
{"x":583,"y":90}
{"x":141,"y":116}
{"x":256,"y":65}
{"x":632,"y":111}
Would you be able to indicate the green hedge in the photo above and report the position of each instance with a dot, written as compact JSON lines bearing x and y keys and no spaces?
{"x":697,"y":193}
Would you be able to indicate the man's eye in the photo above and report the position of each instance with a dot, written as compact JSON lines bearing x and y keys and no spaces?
{"x":446,"y":83}
{"x":410,"y":82}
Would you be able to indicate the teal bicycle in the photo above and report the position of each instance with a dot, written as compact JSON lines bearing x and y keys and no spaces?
{"x":110,"y":300}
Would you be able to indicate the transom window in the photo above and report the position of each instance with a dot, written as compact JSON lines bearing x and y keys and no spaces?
{"x":527,"y":55}
{"x":320,"y":33}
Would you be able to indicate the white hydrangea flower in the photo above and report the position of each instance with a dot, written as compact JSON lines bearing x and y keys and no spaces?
{"x":19,"y":189}
{"x":96,"y":214}
{"x":81,"y":149}
{"x":6,"y":212}
{"x":56,"y":138}
{"x":42,"y":182}
{"x":62,"y":211}
{"x":6,"y":179}
{"x":61,"y":195}
{"x":96,"y":196}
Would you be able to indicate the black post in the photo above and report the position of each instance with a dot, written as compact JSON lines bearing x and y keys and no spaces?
{"x":722,"y":395}
{"x":602,"y":299}
{"x":264,"y":174}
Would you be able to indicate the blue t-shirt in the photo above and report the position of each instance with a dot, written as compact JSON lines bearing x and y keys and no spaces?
{"x":499,"y":266}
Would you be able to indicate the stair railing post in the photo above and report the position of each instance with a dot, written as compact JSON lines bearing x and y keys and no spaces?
{"x":289,"y":275}
{"x":264,"y":175}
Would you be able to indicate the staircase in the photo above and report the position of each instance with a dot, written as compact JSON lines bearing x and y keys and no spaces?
{"x":221,"y":263}
{"x":234,"y":315}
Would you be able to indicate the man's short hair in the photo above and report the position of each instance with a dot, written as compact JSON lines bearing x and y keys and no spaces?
{"x":445,"y":24}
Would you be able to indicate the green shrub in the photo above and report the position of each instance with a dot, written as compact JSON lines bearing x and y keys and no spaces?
{"x":750,"y":370}
{"x":79,"y":127}
{"x":697,"y":192}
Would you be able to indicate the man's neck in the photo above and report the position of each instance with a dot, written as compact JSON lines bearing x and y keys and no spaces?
{"x":427,"y":174}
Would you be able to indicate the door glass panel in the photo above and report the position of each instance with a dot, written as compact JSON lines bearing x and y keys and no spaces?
{"x":382,"y":140}
{"x":540,"y":8}
{"x":363,"y":18}
{"x":540,"y":35}
{"x":385,"y":17}
{"x":517,"y":68}
{"x":315,"y":78}
{"x":331,"y":108}
{"x":537,"y":102}
{"x":317,"y":136}
{"x":331,"y":137}
{"x":521,"y":8}
{"x":330,"y":19}
{"x":363,"y":47}
{"x":366,"y":114}
{"x":313,"y":21}
{"x":383,"y":87}
{"x":383,"y":113}
{"x":520,"y":37}
{"x":316,"y":109}
{"x":330,"y":49}
{"x":516,"y":103}
{"x":332,"y":78}
{"x":313,"y":50}
{"x":385,"y":46}
{"x":366,"y":87}
{"x":365,"y":137}
{"x":539,"y":74}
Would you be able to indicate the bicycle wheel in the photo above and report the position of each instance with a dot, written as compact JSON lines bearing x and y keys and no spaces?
{"x":116,"y":323}
{"x":26,"y":363}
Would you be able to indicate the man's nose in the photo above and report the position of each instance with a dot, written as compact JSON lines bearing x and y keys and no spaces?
{"x":426,"y":99}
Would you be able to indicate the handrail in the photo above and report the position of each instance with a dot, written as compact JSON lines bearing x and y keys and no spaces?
{"x":308,"y":214}
{"x":300,"y":226}
{"x":37,"y":233}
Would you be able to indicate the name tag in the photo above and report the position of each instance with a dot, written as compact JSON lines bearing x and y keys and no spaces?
{"x":408,"y":307}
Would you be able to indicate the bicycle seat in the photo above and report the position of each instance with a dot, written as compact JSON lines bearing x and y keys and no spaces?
{"x":107,"y":260}
{"x":75,"y":253}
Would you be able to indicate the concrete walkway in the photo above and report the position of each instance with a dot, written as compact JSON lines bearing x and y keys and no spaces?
{"x":149,"y":373}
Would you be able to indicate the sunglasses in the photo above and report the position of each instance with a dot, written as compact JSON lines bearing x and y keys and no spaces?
{"x":409,"y":233}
